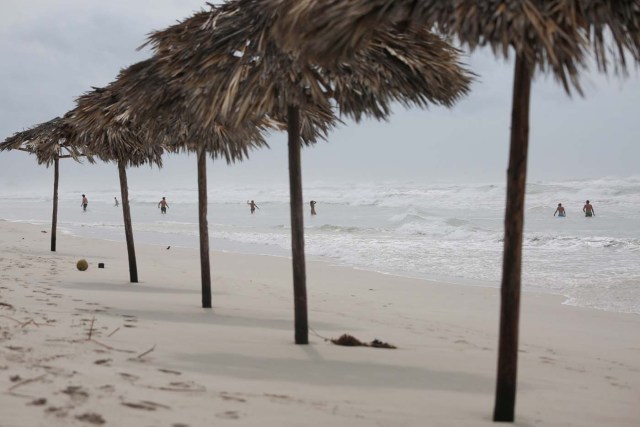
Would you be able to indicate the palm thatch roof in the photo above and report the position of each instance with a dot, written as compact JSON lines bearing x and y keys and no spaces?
{"x":48,"y":141}
{"x":207,"y":80}
{"x":553,"y":34}
{"x":110,"y":140}
{"x":411,"y":66}
{"x":225,"y":62}
{"x":170,"y":128}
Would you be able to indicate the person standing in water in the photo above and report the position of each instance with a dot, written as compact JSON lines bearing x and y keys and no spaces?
{"x":116,"y":200}
{"x":313,"y":207}
{"x":84,"y":203}
{"x":163,"y":205}
{"x":560,"y":210}
{"x":253,"y":206}
{"x":588,"y":210}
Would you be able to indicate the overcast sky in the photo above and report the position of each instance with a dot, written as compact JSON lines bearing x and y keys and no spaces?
{"x":53,"y":51}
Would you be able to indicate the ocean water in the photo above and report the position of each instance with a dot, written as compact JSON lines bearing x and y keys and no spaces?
{"x":447,"y":232}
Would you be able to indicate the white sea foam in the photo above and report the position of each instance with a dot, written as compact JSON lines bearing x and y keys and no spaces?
{"x":446,"y":231}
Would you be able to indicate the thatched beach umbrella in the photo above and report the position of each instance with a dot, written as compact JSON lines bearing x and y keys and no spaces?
{"x":49,"y":142}
{"x":551,"y":35}
{"x":114,"y":141}
{"x":306,"y":125}
{"x":105,"y":117}
{"x":225,"y":62}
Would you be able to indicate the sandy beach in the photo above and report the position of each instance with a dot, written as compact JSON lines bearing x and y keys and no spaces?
{"x":89,"y":348}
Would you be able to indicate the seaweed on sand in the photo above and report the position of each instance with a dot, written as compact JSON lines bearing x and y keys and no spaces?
{"x":351,"y":341}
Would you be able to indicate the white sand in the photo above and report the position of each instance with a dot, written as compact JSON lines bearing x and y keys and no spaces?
{"x":237,"y":364}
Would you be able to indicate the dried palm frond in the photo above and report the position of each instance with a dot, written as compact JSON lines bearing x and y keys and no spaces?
{"x":553,"y":34}
{"x":48,"y":141}
{"x":110,"y":127}
{"x":413,"y":67}
{"x":621,"y":20}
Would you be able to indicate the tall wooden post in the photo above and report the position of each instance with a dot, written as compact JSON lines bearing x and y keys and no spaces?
{"x":297,"y":228}
{"x":205,"y":268}
{"x":504,"y":409}
{"x":54,"y":219}
{"x":128,"y":229}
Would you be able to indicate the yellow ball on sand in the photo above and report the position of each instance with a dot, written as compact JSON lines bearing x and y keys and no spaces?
{"x":82,"y":265}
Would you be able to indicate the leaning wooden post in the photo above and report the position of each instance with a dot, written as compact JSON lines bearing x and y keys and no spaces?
{"x":205,"y":268}
{"x":297,"y":228}
{"x":504,"y":409}
{"x":128,"y":230}
{"x":54,"y":219}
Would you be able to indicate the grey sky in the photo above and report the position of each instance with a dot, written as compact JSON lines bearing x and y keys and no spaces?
{"x":52,"y":51}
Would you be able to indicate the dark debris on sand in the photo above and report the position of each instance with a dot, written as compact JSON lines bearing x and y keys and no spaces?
{"x":351,"y":341}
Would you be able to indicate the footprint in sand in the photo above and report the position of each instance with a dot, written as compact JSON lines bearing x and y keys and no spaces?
{"x":145,"y":405}
{"x":58,"y":412}
{"x":182,"y":386}
{"x":228,"y":415}
{"x":227,"y":396}
{"x":129,"y":377}
{"x":169,"y":371}
{"x":91,"y":418}
{"x":76,"y":393}
{"x":615,"y":382}
{"x":549,"y":360}
{"x":129,"y":320}
{"x":38,"y":402}
{"x":277,"y":396}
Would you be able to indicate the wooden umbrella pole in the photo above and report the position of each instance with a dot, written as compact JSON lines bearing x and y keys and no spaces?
{"x":205,"y":268}
{"x":54,"y":218}
{"x":504,"y":409}
{"x":128,"y":229}
{"x":297,"y":228}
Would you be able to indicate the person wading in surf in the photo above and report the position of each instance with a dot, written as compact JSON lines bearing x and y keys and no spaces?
{"x":588,"y":210}
{"x":253,"y":206}
{"x":163,"y":205}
